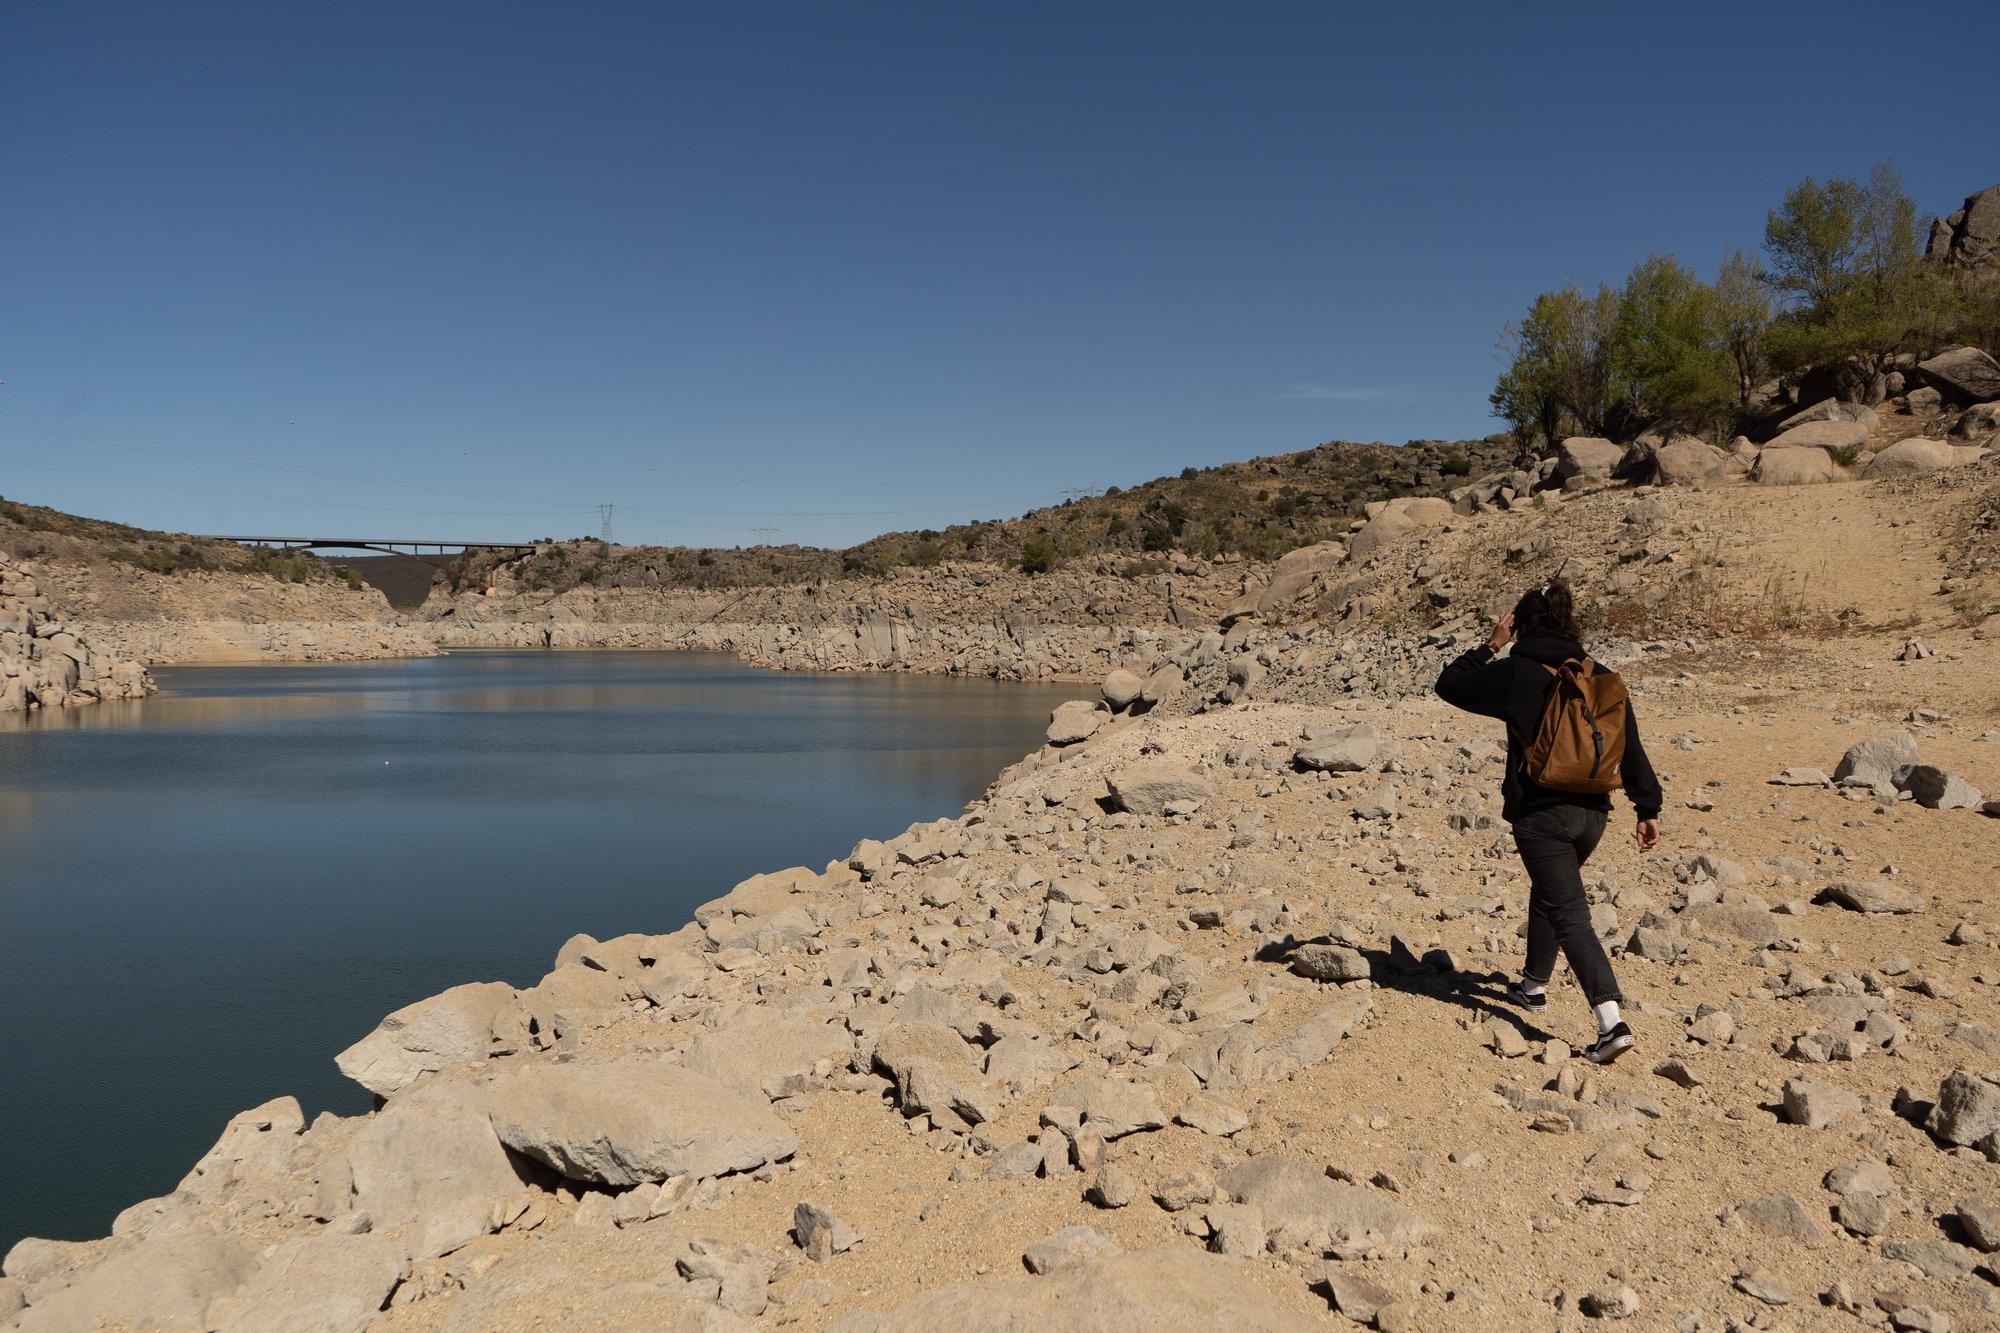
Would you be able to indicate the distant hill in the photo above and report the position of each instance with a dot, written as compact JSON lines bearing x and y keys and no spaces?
{"x":1257,"y":509}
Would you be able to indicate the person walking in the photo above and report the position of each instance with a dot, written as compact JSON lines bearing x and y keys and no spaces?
{"x":1565,"y":755}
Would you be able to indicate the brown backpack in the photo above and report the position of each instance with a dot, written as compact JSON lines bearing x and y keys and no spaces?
{"x":1581,"y":742}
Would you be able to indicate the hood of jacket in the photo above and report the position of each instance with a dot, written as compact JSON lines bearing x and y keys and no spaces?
{"x":1550,"y":651}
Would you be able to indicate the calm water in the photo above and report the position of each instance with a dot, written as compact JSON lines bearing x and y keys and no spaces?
{"x":205,"y":895}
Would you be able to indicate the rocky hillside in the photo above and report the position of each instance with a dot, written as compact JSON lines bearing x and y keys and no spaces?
{"x":1258,"y":509}
{"x":157,"y":597}
{"x":44,"y":663}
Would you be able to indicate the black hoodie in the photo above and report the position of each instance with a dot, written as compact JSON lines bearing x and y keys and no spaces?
{"x":1515,"y":689}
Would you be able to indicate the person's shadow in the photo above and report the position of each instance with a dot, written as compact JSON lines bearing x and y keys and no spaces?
{"x":1432,"y":976}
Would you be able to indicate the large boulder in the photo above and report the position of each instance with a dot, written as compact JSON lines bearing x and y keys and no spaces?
{"x":1977,"y":422}
{"x":326,"y":1283}
{"x":1295,"y":572}
{"x":1967,"y":1109}
{"x":168,"y":1281}
{"x":1300,"y":1202}
{"x":446,"y":1031}
{"x":1878,"y":761}
{"x":428,"y":1150}
{"x":1349,"y":749}
{"x":1963,"y":373}
{"x":1909,"y":458}
{"x":1149,"y":786}
{"x":1795,"y":467}
{"x":1687,"y":461}
{"x":1587,"y":457}
{"x":1822,"y":435}
{"x":772,"y":1052}
{"x":1171,"y":1287}
{"x":1970,"y":236}
{"x":1076,"y":720}
{"x":1396,"y":519}
{"x":1121,"y":688}
{"x":1830,"y":409}
{"x":620,"y":1122}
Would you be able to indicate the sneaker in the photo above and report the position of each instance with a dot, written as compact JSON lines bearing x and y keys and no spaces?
{"x":1610,"y":1045}
{"x":1526,"y":999}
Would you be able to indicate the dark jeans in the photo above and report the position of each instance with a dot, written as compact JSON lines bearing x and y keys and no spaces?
{"x":1554,"y":843}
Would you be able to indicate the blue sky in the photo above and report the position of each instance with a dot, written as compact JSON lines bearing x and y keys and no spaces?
{"x":469,"y":270}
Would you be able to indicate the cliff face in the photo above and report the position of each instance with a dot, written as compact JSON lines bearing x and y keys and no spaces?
{"x":45,"y":662}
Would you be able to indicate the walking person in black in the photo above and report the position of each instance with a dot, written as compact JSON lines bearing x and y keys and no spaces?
{"x":1555,"y":831}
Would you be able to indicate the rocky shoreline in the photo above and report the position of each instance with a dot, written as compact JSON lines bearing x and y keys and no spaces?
{"x":1192,"y":1021}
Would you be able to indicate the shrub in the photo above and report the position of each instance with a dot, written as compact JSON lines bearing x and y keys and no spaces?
{"x":157,"y":560}
{"x":704,"y":560}
{"x":1846,"y":455}
{"x":13,"y":515}
{"x":1190,"y":473}
{"x":1116,"y":526}
{"x":1038,"y":554}
{"x":354,"y":580}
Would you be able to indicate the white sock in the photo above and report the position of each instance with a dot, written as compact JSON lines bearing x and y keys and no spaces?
{"x":1607,"y":1015}
{"x":1530,"y":986}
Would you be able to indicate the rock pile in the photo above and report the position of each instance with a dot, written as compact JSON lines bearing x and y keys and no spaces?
{"x":45,"y":663}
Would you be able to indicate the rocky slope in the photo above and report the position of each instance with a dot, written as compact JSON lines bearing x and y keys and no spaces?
{"x":1195,"y":1019}
{"x":45,"y":662}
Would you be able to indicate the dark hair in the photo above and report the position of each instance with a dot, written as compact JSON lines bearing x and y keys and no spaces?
{"x":1547,"y":612}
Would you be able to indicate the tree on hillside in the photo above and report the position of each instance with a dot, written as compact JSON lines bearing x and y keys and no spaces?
{"x":1743,"y":307}
{"x":1560,"y":364}
{"x":1844,"y":260}
{"x":1670,"y":363}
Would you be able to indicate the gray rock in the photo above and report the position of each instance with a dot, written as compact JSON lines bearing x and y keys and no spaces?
{"x":319,"y":1284}
{"x":1112,"y":1107}
{"x":1818,"y":1105}
{"x":1075,"y":721}
{"x":1963,"y":373}
{"x":1588,"y":457}
{"x":1121,"y":689}
{"x":1764,"y":1285}
{"x":771,"y":1052}
{"x":1330,"y":962}
{"x":1801,"y":777}
{"x":1935,"y":789}
{"x":738,"y":1279}
{"x":1934,"y":1258}
{"x":429,"y":1149}
{"x":1878,"y":760}
{"x":170,"y":1281}
{"x":1786,"y":466}
{"x":619,"y":1122}
{"x":1620,"y":1302}
{"x":1967,"y":1109}
{"x":1355,"y":1296}
{"x":819,"y":1232}
{"x":1979,"y":1219}
{"x":446,"y":1031}
{"x":1349,"y":749}
{"x":1298,"y":1199}
{"x":1909,"y":458}
{"x":1872,"y":895}
{"x":1113,"y":1187}
{"x":1212,"y":1115}
{"x":1150,"y":786}
{"x":1068,"y":1249}
{"x":1776,"y":1215}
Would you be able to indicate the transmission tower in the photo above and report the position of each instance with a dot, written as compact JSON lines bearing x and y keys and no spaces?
{"x":766,"y":536}
{"x":604,"y":528}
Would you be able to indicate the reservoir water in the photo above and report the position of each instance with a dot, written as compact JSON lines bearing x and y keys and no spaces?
{"x":206,"y":894}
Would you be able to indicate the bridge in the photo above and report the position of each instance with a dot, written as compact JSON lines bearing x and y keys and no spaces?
{"x":384,"y":545}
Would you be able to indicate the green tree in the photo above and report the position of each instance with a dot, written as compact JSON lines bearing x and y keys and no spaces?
{"x":1669,"y":360}
{"x":1559,"y":372}
{"x":1744,"y":308}
{"x":1844,"y":259}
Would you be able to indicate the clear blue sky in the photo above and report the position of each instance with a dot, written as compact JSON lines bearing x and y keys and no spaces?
{"x":466,"y":270}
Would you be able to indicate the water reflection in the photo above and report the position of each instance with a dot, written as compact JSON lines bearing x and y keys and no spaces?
{"x":211,"y":891}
